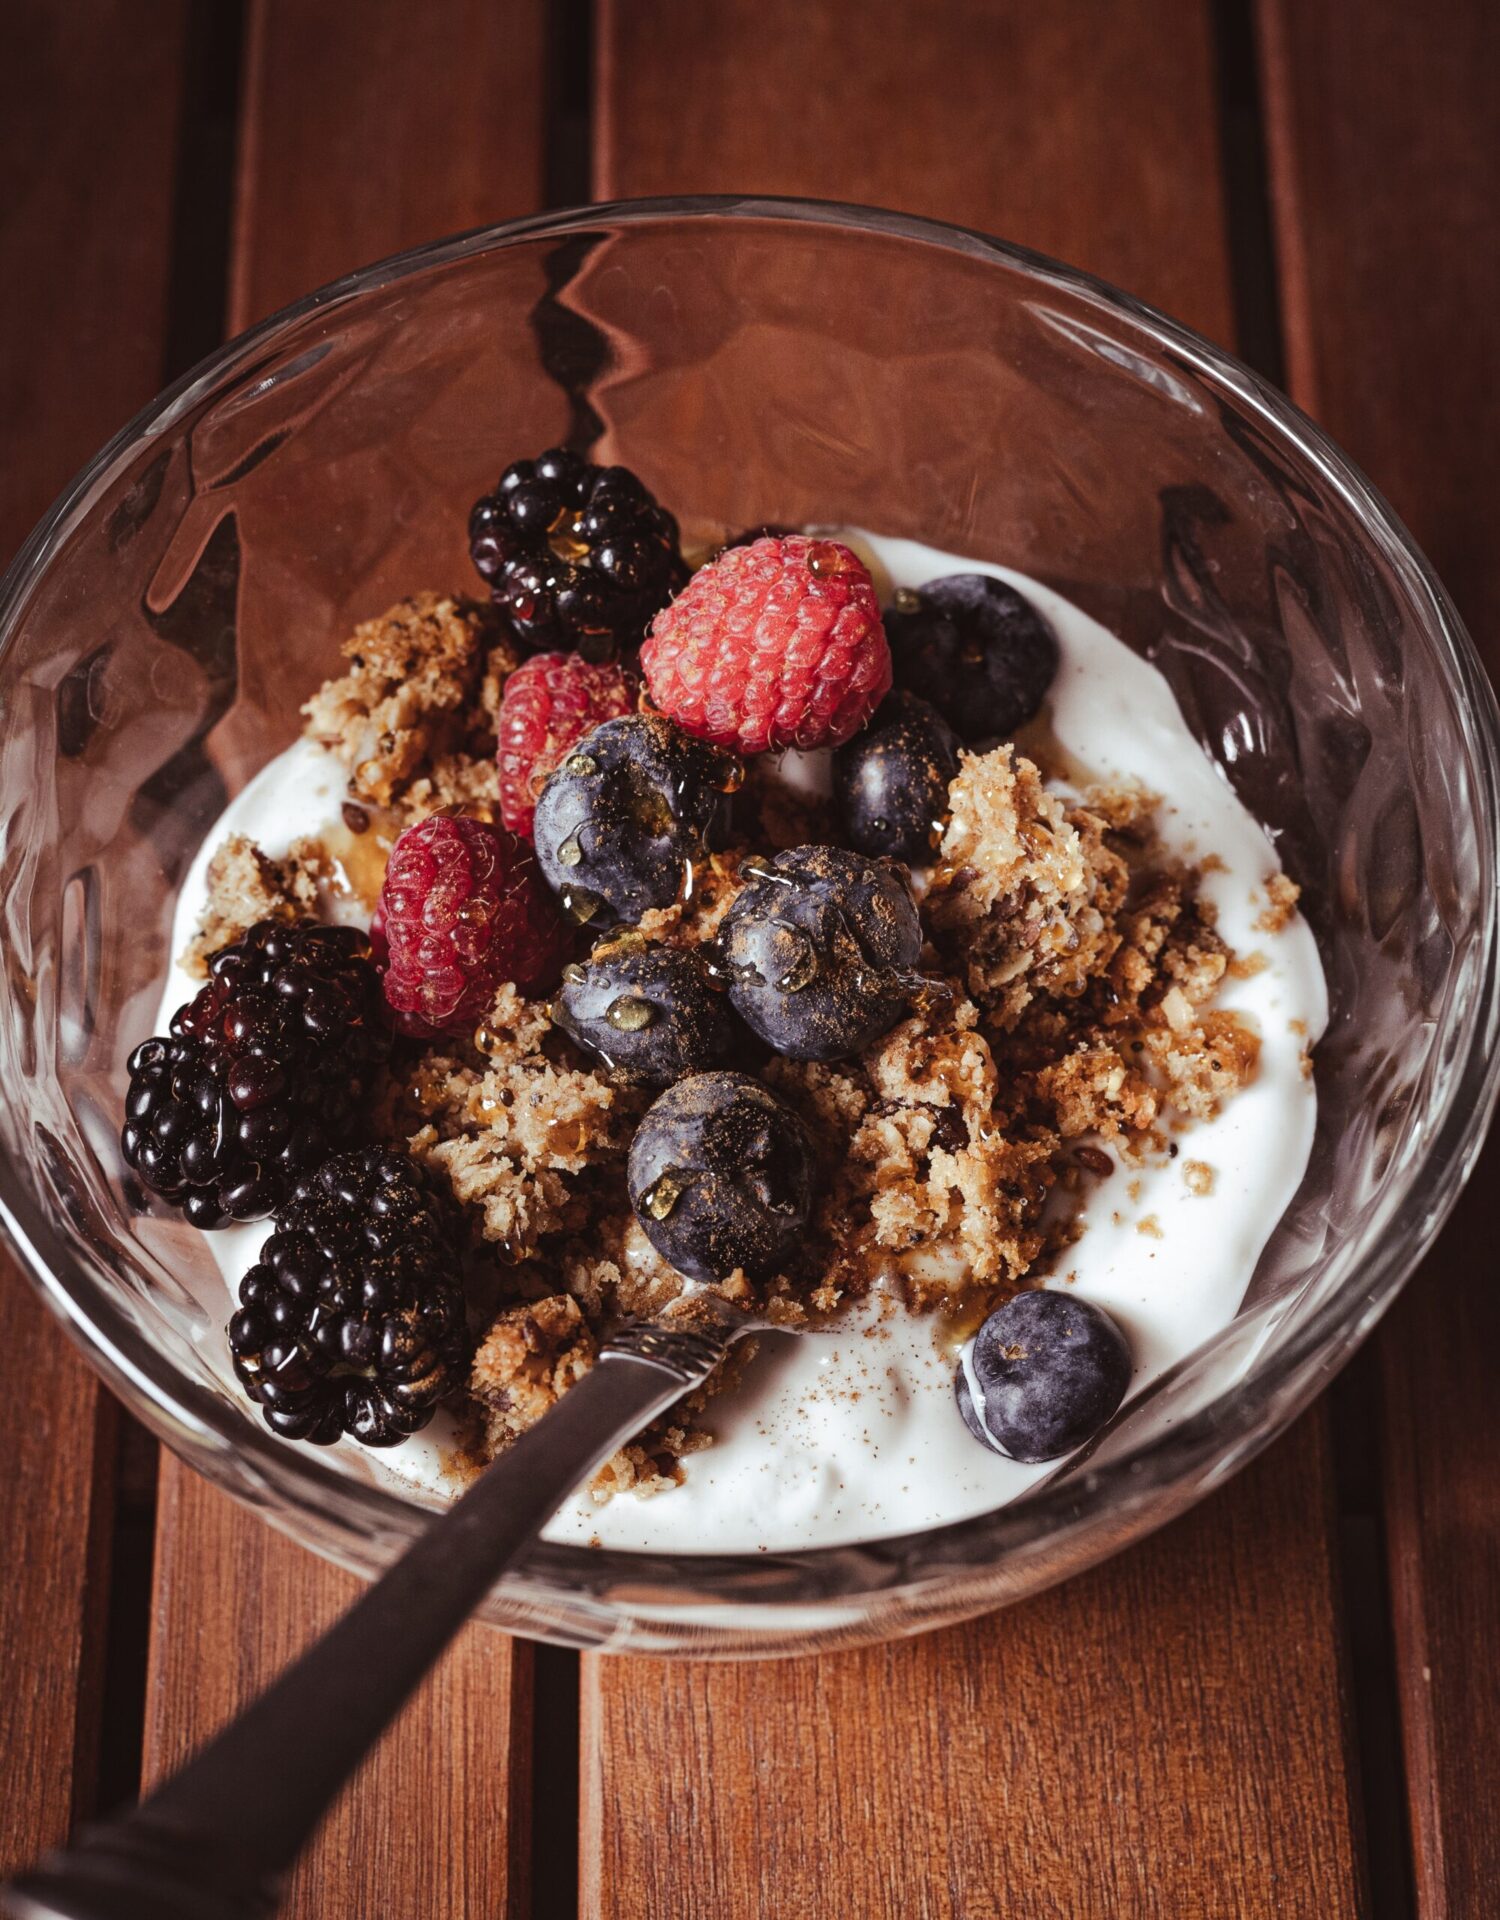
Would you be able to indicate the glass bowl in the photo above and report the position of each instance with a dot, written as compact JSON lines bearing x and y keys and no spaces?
{"x":755,"y":361}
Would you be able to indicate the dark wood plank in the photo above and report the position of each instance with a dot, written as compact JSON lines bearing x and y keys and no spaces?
{"x":366,"y":128}
{"x":89,"y":113}
{"x":373,"y":128}
{"x":438,"y":1822}
{"x":1385,"y":158}
{"x":1165,"y":1735}
{"x":88,"y":118}
{"x":1160,"y":1736}
{"x":1086,"y":132}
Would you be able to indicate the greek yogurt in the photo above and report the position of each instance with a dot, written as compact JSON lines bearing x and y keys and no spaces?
{"x":852,"y":1433}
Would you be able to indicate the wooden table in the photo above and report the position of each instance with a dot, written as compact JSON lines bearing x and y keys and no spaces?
{"x":1286,"y":1703}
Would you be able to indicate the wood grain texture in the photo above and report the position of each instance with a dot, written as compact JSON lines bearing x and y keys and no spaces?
{"x":89,"y":113}
{"x":1083,"y":130}
{"x":88,"y":119}
{"x":56,"y":1433}
{"x":1165,"y":1735}
{"x":437,"y":1823}
{"x":372,"y":128}
{"x":1385,"y":155}
{"x":1158,"y":1737}
{"x":365,"y":129}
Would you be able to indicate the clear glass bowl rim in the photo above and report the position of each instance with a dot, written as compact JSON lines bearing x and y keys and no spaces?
{"x":1232,"y":1428}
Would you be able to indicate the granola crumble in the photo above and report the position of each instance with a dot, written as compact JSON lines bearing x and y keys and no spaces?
{"x":1282,"y":896}
{"x":246,"y":885}
{"x":411,"y":719}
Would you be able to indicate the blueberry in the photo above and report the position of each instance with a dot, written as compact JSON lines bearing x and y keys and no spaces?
{"x":977,"y":649}
{"x":1049,"y":1368}
{"x":891,"y":782}
{"x":622,"y":817}
{"x":819,"y":947}
{"x":651,"y":1014}
{"x":721,"y":1176}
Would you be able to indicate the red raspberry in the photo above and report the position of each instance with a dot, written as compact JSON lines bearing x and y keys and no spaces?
{"x":464,"y":907}
{"x":549,"y":704}
{"x":778,"y":644}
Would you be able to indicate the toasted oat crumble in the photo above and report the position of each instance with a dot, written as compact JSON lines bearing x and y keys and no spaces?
{"x":1282,"y":896}
{"x":411,"y":720}
{"x":246,"y":885}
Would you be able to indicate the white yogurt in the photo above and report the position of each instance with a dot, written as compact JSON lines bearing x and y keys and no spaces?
{"x":842,"y":1436}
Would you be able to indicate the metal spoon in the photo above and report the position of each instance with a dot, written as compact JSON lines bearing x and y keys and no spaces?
{"x":215,"y":1841}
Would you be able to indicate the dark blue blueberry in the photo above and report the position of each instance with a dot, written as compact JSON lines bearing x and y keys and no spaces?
{"x":891,"y":781}
{"x":621,"y":818}
{"x":651,"y":1014}
{"x":1050,"y":1370}
{"x":819,"y":948}
{"x":721,"y":1177}
{"x":977,"y":649}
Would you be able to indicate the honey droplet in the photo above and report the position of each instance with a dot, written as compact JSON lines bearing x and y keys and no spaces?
{"x":609,"y":946}
{"x":580,"y":763}
{"x":565,"y":538}
{"x":486,"y":1039}
{"x":827,"y":559}
{"x":579,"y":904}
{"x":905,"y":600}
{"x":661,"y":1198}
{"x":628,"y":1014}
{"x":803,"y":969}
{"x":734,"y":776}
{"x":570,"y":853}
{"x":574,"y":974}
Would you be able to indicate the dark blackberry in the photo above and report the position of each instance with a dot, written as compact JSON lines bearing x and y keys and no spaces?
{"x":819,"y":948}
{"x":721,"y":1177}
{"x":651,"y":1014}
{"x":891,"y":781}
{"x":977,"y":649}
{"x":352,"y":1320}
{"x":621,"y":820}
{"x":271,"y":1067}
{"x":576,"y":555}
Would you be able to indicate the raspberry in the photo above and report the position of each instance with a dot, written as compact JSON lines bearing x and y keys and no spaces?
{"x":778,"y":644}
{"x":463,"y":908}
{"x":550,"y":702}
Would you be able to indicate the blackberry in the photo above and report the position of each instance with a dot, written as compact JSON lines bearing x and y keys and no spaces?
{"x":1042,"y":1375}
{"x":272,"y":1066}
{"x":621,"y":820}
{"x":651,"y":1014}
{"x":575,"y":555}
{"x":352,"y":1320}
{"x":721,"y":1177}
{"x":977,"y":649}
{"x":819,"y":948}
{"x":891,"y":781}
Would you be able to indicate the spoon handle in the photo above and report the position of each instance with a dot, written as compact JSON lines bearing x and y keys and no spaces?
{"x":214,"y":1842}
